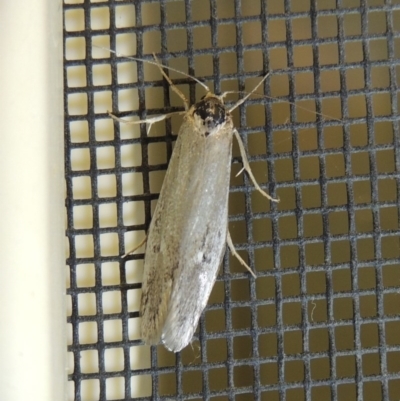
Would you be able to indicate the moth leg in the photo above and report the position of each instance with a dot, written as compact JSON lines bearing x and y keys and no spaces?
{"x":150,"y":120}
{"x":234,"y":253}
{"x":173,"y":87}
{"x":135,"y":248}
{"x":246,"y":166}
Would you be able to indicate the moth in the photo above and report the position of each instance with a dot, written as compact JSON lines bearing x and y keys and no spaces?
{"x":188,"y":232}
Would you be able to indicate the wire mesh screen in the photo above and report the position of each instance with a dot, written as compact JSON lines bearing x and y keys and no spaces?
{"x":321,"y":320}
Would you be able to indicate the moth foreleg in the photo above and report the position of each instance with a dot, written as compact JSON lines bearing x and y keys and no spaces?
{"x":150,"y":120}
{"x":247,"y":167}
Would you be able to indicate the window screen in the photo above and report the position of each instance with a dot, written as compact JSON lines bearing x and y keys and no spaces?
{"x":321,"y":321}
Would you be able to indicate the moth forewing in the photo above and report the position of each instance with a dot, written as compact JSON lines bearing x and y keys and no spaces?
{"x":188,"y":232}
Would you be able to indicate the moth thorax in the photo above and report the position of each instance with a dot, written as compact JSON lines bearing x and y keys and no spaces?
{"x":210,"y":113}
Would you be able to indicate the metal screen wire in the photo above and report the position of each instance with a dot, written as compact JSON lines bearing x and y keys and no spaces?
{"x":321,"y":321}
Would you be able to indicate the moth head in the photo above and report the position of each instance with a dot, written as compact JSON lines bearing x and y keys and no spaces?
{"x":210,"y":113}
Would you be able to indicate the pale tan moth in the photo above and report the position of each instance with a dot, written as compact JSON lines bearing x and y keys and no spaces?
{"x":189,"y":230}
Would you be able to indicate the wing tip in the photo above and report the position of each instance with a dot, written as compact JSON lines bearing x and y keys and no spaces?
{"x":174,"y":344}
{"x":176,"y":337}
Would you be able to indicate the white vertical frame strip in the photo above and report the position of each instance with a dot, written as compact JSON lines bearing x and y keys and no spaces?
{"x":32,"y":270}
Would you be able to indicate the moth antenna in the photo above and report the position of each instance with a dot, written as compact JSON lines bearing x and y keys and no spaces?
{"x":171,"y":84}
{"x":241,"y":101}
{"x":156,"y":64}
{"x":283,"y":101}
